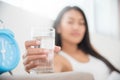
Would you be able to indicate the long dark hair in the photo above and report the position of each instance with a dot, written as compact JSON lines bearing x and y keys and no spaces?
{"x":85,"y":44}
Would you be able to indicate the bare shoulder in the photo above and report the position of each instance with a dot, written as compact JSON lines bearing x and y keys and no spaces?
{"x":62,"y":64}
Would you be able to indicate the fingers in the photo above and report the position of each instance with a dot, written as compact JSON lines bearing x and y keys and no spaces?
{"x":36,"y":51}
{"x":30,"y":66}
{"x":33,"y":54}
{"x":28,"y":44}
{"x":57,"y":49}
{"x":28,"y":59}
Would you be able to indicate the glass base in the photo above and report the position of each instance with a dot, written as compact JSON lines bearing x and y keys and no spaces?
{"x":41,"y":70}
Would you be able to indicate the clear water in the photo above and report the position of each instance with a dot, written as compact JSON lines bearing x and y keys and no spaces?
{"x":45,"y":66}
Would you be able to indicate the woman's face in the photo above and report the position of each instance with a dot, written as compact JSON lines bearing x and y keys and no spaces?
{"x":72,"y":27}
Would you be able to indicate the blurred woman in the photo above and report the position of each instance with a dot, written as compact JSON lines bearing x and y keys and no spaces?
{"x":77,"y":53}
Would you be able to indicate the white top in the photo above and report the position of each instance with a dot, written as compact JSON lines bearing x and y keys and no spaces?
{"x":95,"y":66}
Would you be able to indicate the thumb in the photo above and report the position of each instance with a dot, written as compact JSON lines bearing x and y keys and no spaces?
{"x":57,"y":49}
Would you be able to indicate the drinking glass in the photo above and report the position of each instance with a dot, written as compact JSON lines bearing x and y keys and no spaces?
{"x":46,"y":36}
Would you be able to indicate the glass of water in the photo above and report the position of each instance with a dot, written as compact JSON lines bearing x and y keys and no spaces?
{"x":46,"y":36}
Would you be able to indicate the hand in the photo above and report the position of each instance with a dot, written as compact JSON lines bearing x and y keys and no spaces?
{"x":34,"y":54}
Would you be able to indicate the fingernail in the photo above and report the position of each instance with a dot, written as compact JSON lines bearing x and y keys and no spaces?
{"x":37,"y":42}
{"x":44,"y":55}
{"x":59,"y":48}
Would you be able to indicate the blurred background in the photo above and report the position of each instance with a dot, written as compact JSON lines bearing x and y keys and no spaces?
{"x":103,"y":19}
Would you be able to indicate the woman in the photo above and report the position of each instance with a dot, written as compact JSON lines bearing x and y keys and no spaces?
{"x":77,"y":53}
